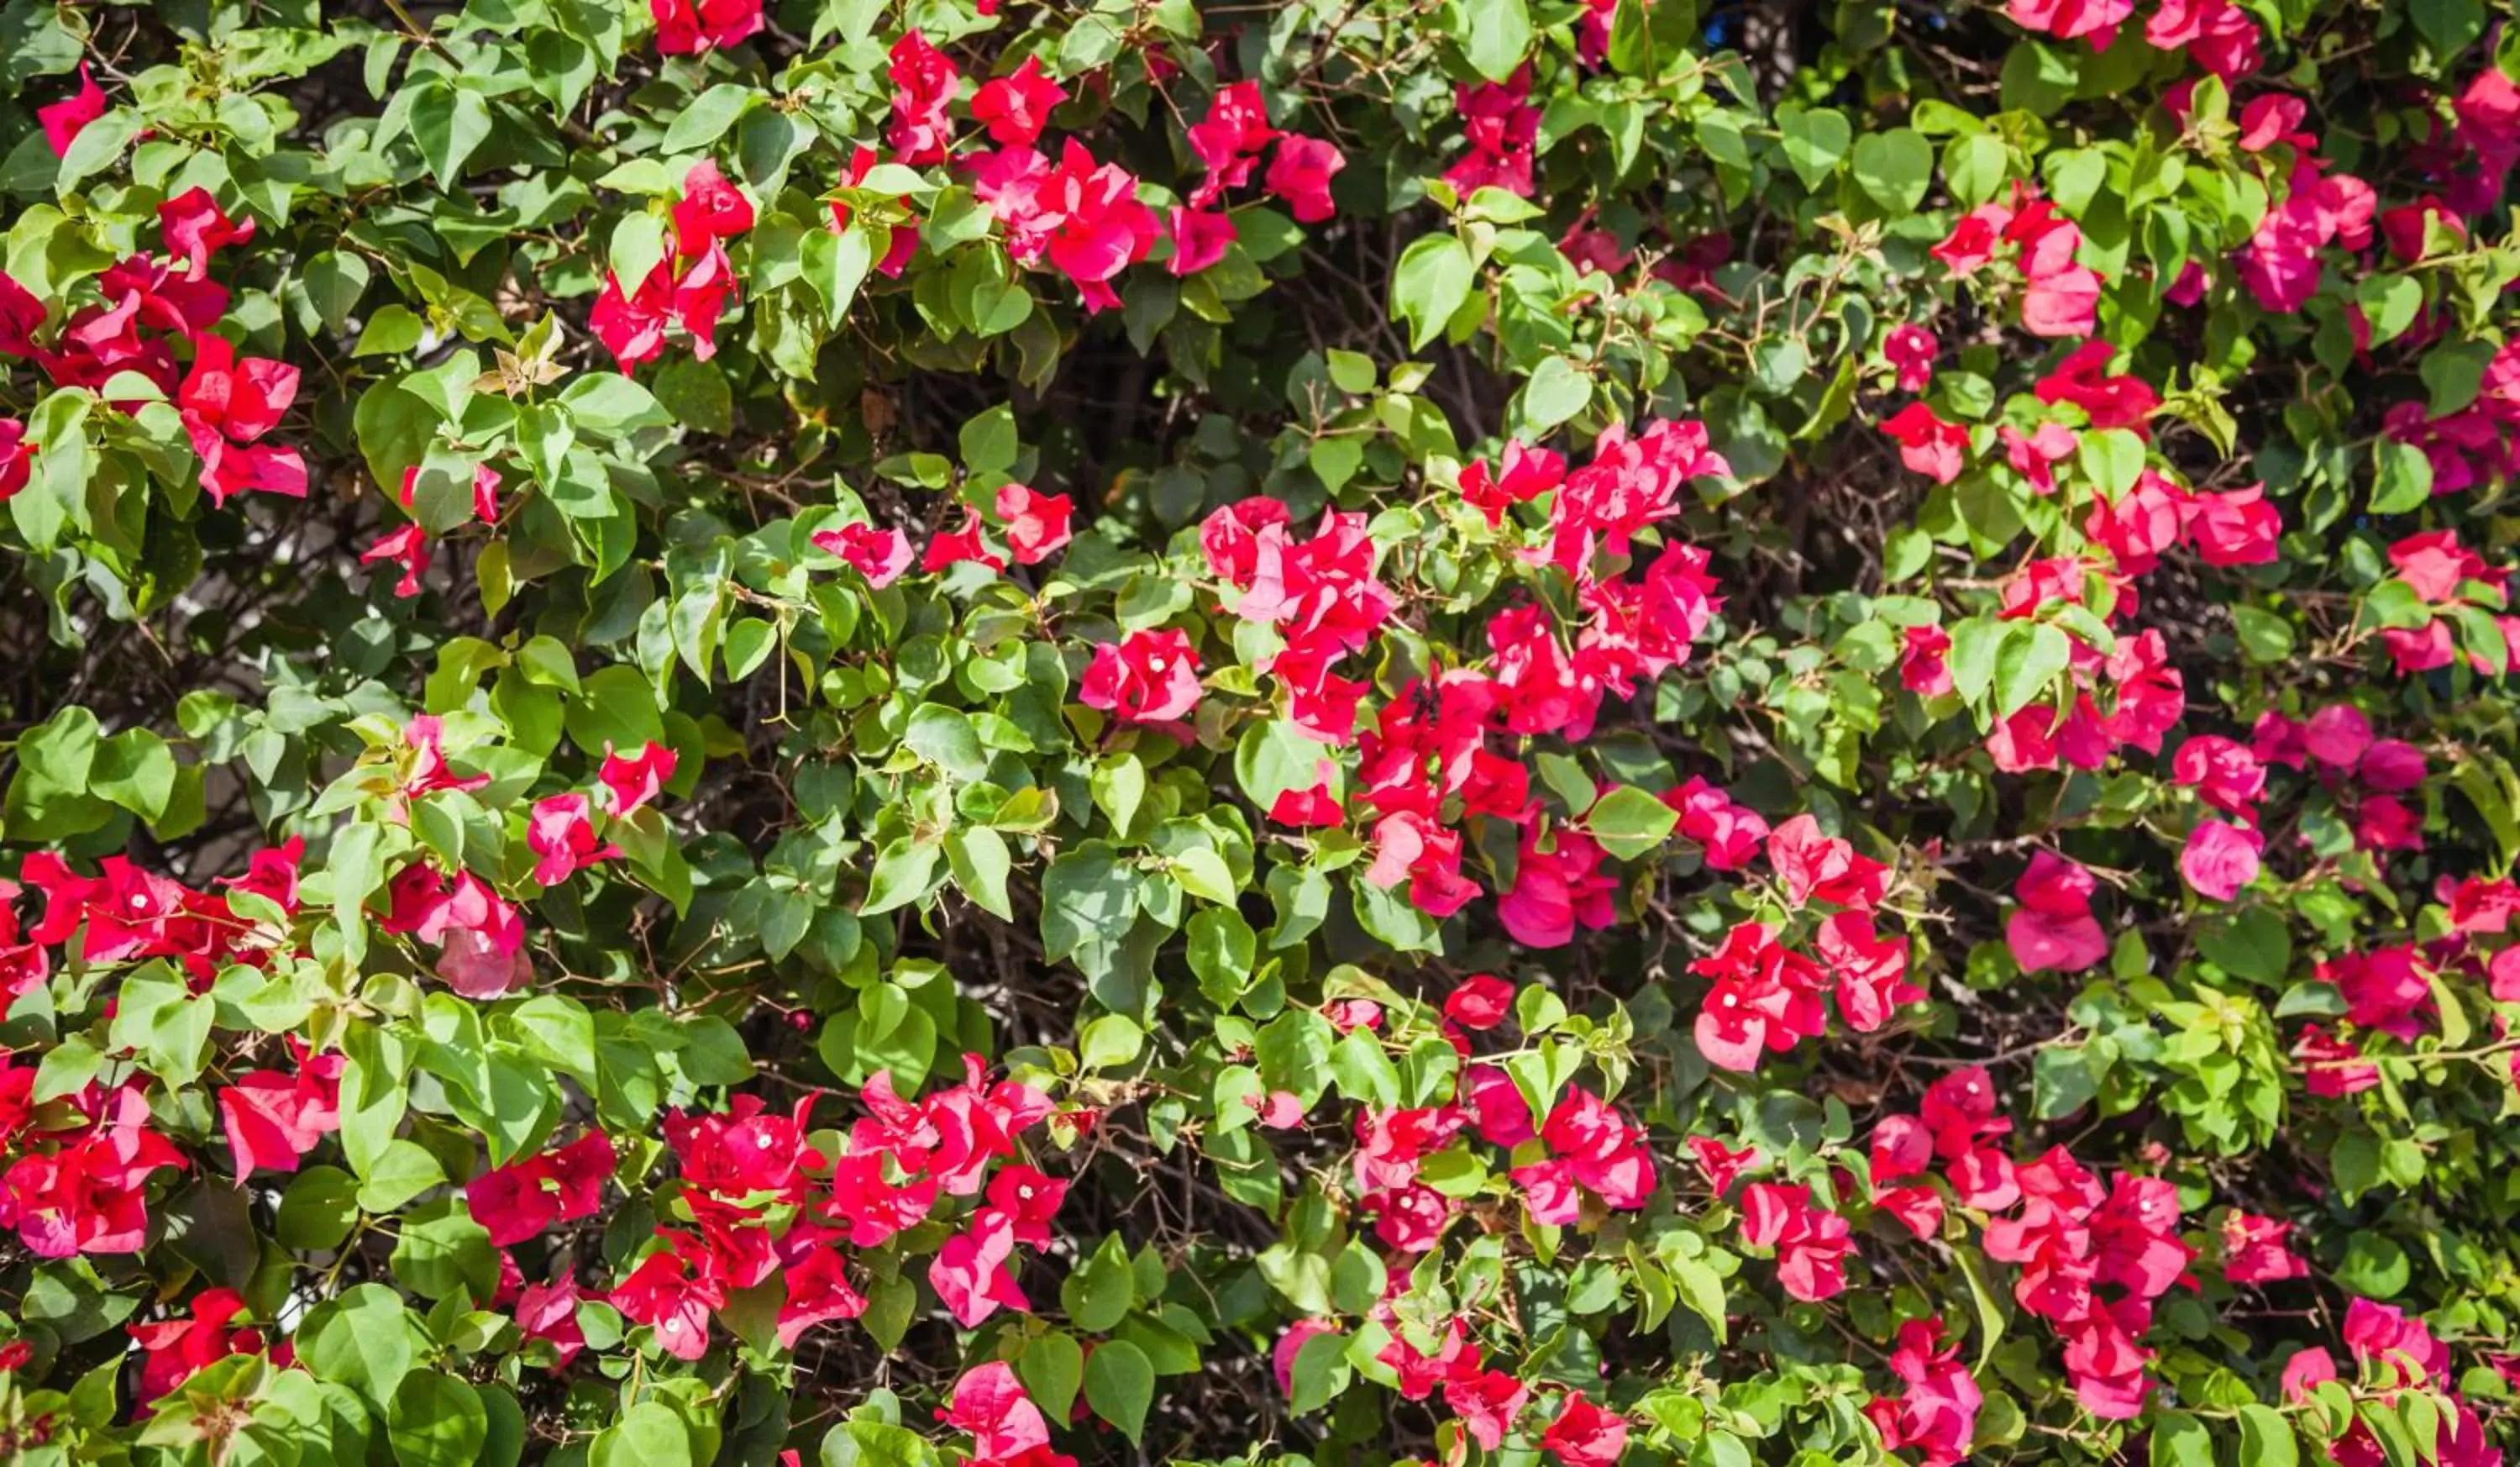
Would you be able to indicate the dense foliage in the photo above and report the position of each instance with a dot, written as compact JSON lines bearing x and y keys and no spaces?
{"x":1355,"y":730}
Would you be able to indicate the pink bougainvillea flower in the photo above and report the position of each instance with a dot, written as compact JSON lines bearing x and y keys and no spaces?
{"x":687,"y":28}
{"x":273,"y":1119}
{"x":1017,"y":106}
{"x":632,"y":780}
{"x":990,"y":1405}
{"x":1585,"y":1435}
{"x":63,"y":121}
{"x":1200,"y":238}
{"x":924,"y":82}
{"x":1928,"y":444}
{"x":1911,"y":349}
{"x":1479,"y":1002}
{"x":195,"y":228}
{"x":1036,"y":525}
{"x":1300,"y":172}
{"x":560,"y":833}
{"x":711,"y":209}
{"x":1229,"y":140}
{"x":878,"y":555}
{"x":17,"y":458}
{"x":407,"y":547}
{"x":229,"y":405}
{"x":1811,"y":1242}
{"x":1145,"y":678}
{"x":2220,"y":860}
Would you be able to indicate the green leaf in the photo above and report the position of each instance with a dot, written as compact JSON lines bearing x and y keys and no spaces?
{"x":1630,"y":822}
{"x":1051,"y":1367}
{"x":904,"y":872}
{"x":980,"y":861}
{"x":437,"y":1421}
{"x":1494,"y":35}
{"x":364,"y":1340}
{"x":2179,"y":1440}
{"x":1110,"y":1042}
{"x":2027,"y":663}
{"x":1120,"y":1385}
{"x":1815,"y":140}
{"x":1099,"y":1291}
{"x":2266,"y":1439}
{"x":1555,"y":392}
{"x":1895,"y":167}
{"x":2402,"y":477}
{"x":2448,"y":26}
{"x":448,"y":123}
{"x":1431,"y":284}
{"x":708,"y":116}
{"x":647,"y":1434}
{"x":319,"y":1209}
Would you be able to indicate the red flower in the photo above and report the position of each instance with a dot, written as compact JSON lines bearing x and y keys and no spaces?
{"x":228,"y":407}
{"x":1811,"y":1242}
{"x":1228,"y":142}
{"x":17,"y":458}
{"x":549,"y":1313}
{"x":407,"y":546}
{"x":1017,"y":106}
{"x":1481,"y":1001}
{"x":1911,"y":349}
{"x":952,"y":547}
{"x":1487,"y":1403}
{"x":991,"y":1405}
{"x":518,"y":1201}
{"x":1938,"y":1413}
{"x":195,"y":228}
{"x":1501,"y":127}
{"x":1556,"y":890}
{"x":2064,"y":296}
{"x":672,"y":1291}
{"x":687,"y":28}
{"x":1583,"y":1434}
{"x":632,"y":780}
{"x":878,"y":555}
{"x":1036,"y":525}
{"x":2220,"y":860}
{"x":1145,"y":677}
{"x":1200,"y":238}
{"x":1974,"y":240}
{"x":1721,"y":1163}
{"x":2082,"y":379}
{"x":1302,"y":173}
{"x":969,"y":1272}
{"x":1928,"y":443}
{"x":710,"y":209}
{"x":1230,"y":538}
{"x":1027,"y":1200}
{"x":2236,"y":529}
{"x":1817,"y":867}
{"x":63,"y":121}
{"x":1727,"y":834}
{"x":562,"y":833}
{"x":924,"y":82}
{"x":1527,"y":473}
{"x":173,"y":1351}
{"x":2253,"y":1250}
{"x":2054,"y":927}
{"x":21,"y":315}
{"x":273,"y":1119}
{"x":818,"y":1291}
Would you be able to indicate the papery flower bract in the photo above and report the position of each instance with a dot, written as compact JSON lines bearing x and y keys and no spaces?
{"x":1145,"y":678}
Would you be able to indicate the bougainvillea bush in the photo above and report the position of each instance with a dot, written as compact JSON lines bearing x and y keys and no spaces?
{"x":1337,"y":732}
